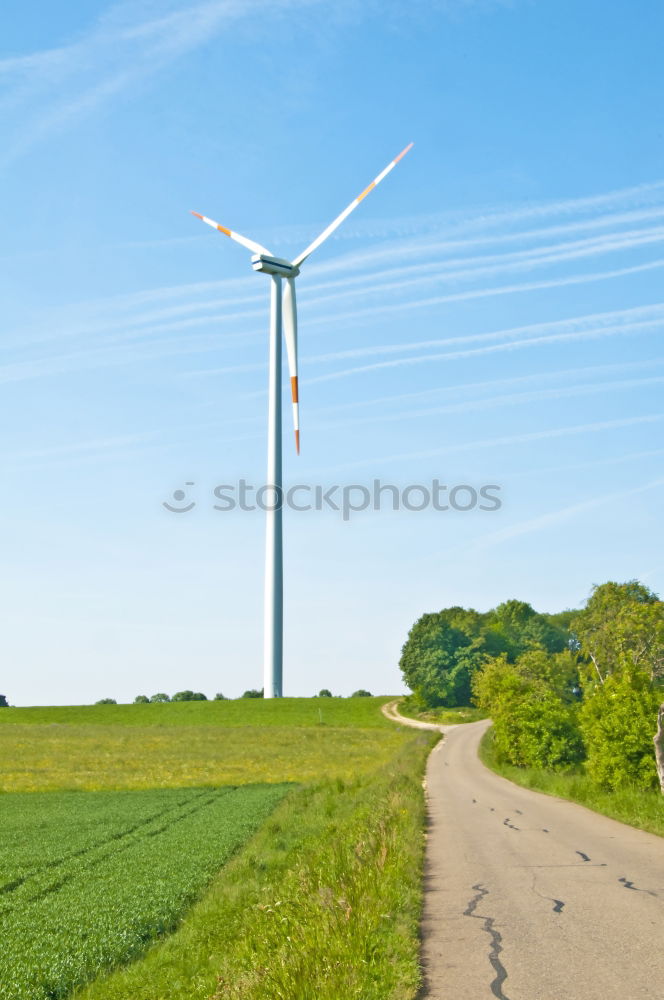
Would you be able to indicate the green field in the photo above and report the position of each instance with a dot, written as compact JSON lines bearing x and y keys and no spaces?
{"x":358,"y":713}
{"x":321,"y":895}
{"x":87,"y":880}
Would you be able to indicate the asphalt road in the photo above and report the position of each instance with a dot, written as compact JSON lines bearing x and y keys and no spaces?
{"x":529,"y":897}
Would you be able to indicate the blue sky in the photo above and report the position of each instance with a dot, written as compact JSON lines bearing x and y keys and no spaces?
{"x":491,"y":314}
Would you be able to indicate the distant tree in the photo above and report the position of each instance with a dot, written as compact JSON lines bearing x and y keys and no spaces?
{"x":324,"y":693}
{"x":161,"y":697}
{"x":445,"y":649}
{"x":141,"y":699}
{"x":189,"y":696}
{"x":106,"y":701}
{"x":361,"y":694}
{"x":3,"y":701}
{"x":253,"y":693}
{"x":220,"y":697}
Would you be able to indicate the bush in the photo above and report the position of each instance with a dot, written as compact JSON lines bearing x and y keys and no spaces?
{"x":361,"y":694}
{"x":106,"y":701}
{"x":141,"y":699}
{"x":324,"y":693}
{"x":159,"y":698}
{"x":253,"y":693}
{"x":536,"y":725}
{"x":3,"y":701}
{"x":188,"y":696}
{"x":220,"y":697}
{"x":618,"y":722}
{"x":539,"y":733}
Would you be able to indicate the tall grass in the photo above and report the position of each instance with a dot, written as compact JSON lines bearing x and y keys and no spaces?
{"x":323,"y":904}
{"x":628,"y":804}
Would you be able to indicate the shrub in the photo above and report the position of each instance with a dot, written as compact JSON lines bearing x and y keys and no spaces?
{"x":106,"y":701}
{"x":618,"y":722}
{"x":141,"y":699}
{"x":188,"y":696}
{"x":361,"y":694}
{"x":253,"y":693}
{"x":324,"y":693}
{"x":220,"y":697}
{"x":161,"y":697}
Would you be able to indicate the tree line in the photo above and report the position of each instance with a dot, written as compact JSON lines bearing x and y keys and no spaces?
{"x":582,"y":686}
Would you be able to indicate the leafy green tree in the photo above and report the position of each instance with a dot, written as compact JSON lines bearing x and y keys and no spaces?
{"x":434,"y":660}
{"x":106,"y":701}
{"x":361,"y":694}
{"x":3,"y":701}
{"x":188,"y":696}
{"x":622,"y":624}
{"x":254,"y":693}
{"x":141,"y":699}
{"x":444,"y":650}
{"x":220,"y":697}
{"x":324,"y":693}
{"x":618,"y":721}
{"x":160,"y":698}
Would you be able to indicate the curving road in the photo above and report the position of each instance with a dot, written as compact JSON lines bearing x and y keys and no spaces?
{"x":530,"y":897}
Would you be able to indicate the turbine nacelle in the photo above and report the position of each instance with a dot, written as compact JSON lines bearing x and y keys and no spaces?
{"x":274,"y":265}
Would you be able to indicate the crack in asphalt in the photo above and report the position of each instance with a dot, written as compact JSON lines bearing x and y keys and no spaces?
{"x":584,"y":857}
{"x":630,"y":885}
{"x":496,"y":985}
{"x":557,"y":903}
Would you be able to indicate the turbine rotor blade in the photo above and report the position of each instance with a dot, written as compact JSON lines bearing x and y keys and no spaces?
{"x":242,"y":240}
{"x":346,"y":212}
{"x":290,"y":336}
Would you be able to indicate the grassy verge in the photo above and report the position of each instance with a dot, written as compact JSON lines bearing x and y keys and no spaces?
{"x":630,"y":805}
{"x":323,"y":903}
{"x":441,"y":716}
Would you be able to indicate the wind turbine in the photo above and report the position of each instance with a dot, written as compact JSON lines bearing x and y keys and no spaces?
{"x":283,"y":313}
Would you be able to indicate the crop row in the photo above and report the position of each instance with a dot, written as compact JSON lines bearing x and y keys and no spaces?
{"x":105,"y":899}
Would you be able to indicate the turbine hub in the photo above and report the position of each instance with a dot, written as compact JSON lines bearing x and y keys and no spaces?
{"x":274,"y":265}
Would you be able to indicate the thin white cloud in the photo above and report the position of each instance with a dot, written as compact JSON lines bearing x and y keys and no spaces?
{"x":495,"y":402}
{"x":499,"y":442}
{"x":569,"y":512}
{"x":48,"y":91}
{"x":622,"y":329}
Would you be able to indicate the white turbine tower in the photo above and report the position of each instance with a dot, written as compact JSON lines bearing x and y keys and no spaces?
{"x":283,"y":312}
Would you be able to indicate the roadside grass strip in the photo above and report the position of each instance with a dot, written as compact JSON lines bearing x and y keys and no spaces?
{"x":88,"y":880}
{"x":323,"y":903}
{"x":634,"y":806}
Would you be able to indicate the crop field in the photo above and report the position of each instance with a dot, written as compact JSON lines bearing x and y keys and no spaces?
{"x":190,"y":744}
{"x":86,"y":880}
{"x":88,"y":758}
{"x":198,"y":851}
